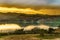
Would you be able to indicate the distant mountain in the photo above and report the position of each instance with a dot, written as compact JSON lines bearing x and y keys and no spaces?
{"x":25,"y":19}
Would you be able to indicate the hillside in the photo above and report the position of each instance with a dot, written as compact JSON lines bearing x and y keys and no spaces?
{"x":30,"y":19}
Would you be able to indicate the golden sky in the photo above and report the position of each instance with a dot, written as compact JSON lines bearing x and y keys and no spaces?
{"x":30,"y":7}
{"x":30,"y":10}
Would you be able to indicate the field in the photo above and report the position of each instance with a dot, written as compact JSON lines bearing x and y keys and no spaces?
{"x":26,"y":37}
{"x":20,"y":37}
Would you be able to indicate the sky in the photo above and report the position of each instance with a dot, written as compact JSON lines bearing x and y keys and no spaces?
{"x":29,"y":5}
{"x":25,"y":3}
{"x":56,"y":2}
{"x":31,"y":2}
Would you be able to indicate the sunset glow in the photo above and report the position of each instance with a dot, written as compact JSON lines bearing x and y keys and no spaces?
{"x":30,"y":11}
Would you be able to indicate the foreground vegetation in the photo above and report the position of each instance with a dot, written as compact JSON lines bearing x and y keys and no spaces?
{"x":39,"y":33}
{"x":23,"y":20}
{"x":20,"y":37}
{"x":29,"y":37}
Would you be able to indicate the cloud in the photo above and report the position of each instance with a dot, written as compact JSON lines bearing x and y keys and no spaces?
{"x":30,"y":2}
{"x":30,"y":6}
{"x":25,"y":2}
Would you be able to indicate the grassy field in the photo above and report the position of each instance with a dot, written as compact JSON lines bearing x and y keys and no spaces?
{"x":29,"y":37}
{"x":20,"y":37}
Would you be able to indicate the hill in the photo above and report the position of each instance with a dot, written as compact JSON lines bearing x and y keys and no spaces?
{"x":26,"y":19}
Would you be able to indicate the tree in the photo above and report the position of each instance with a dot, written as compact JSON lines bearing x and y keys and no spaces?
{"x":36,"y":31}
{"x":51,"y":31}
{"x":20,"y":31}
